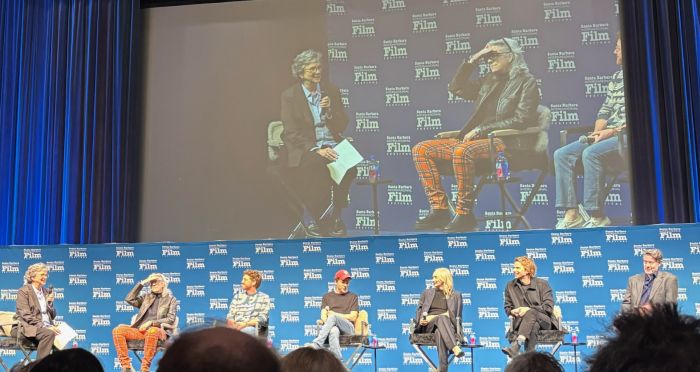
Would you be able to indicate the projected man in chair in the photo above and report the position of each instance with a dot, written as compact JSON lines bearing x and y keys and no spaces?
{"x":528,"y":301}
{"x":35,"y":310}
{"x":249,"y":308}
{"x":313,"y":118}
{"x":153,"y":322}
{"x":506,"y":98}
{"x":595,"y":151}
{"x":440,"y":311}
{"x":339,"y":310}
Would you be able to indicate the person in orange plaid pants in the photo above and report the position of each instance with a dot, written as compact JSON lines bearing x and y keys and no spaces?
{"x":156,"y":313}
{"x":505,"y":98}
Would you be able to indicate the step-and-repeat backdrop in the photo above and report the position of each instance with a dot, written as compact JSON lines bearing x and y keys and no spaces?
{"x":393,"y":60}
{"x":588,"y":271}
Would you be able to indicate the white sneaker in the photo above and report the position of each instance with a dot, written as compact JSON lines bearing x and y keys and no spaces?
{"x":564,"y":224}
{"x":597,"y":222}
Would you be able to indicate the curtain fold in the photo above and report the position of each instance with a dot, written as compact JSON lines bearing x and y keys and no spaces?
{"x":69,"y":121}
{"x":661,"y":44}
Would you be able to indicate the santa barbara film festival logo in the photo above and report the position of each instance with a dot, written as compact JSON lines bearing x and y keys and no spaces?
{"x":596,"y":86}
{"x":561,"y":61}
{"x":597,"y":33}
{"x":398,"y":145}
{"x":363,"y":27}
{"x":557,"y":11}
{"x":399,"y":194}
{"x":367,"y":121}
{"x":389,"y":5}
{"x":426,"y":70}
{"x":424,"y":22}
{"x":429,"y":119}
{"x":337,"y":51}
{"x":528,"y":38}
{"x":488,"y":16}
{"x":395,"y":49}
{"x":564,"y":113}
{"x":335,"y":7}
{"x":365,"y":74}
{"x":459,"y":43}
{"x":364,"y":219}
{"x":397,"y":96}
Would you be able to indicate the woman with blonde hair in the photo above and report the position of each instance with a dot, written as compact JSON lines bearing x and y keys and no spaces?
{"x":439,"y":311}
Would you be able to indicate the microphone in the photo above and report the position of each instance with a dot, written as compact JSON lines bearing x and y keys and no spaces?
{"x":425,"y":315}
{"x":325,"y":111}
{"x":50,"y":289}
{"x":585,"y":140}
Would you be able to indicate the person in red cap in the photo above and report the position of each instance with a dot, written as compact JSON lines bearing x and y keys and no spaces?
{"x":339,"y":310}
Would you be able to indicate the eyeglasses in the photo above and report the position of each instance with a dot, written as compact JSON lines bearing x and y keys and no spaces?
{"x":313,"y":69}
{"x":493,"y":56}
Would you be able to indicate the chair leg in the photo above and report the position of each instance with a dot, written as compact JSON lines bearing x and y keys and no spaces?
{"x":425,"y":356}
{"x":355,"y":357}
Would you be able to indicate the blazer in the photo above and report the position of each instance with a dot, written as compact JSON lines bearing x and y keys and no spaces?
{"x":514,"y":298}
{"x":299,"y":133}
{"x":663,"y":289}
{"x":516,"y":107}
{"x":454,"y":306}
{"x":167,"y":307}
{"x":28,"y":312}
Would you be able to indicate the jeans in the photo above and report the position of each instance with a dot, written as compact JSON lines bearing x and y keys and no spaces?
{"x":253,"y":331}
{"x":528,"y":326}
{"x":332,"y":329}
{"x":594,"y":158}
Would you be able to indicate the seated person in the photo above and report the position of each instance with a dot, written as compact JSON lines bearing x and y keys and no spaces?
{"x":506,"y":98}
{"x":529,"y":301}
{"x":339,"y":310}
{"x":35,"y":311}
{"x":652,"y":286}
{"x":313,"y":118}
{"x":599,"y":149}
{"x":249,"y":308}
{"x":437,"y":312}
{"x":156,"y":307}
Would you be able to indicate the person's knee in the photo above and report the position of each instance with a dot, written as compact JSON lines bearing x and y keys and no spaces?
{"x":419,"y":149}
{"x":590,"y":156}
{"x":152,"y":331}
{"x":335,"y":331}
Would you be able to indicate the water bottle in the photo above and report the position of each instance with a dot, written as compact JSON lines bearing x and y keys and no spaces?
{"x":373,"y":169}
{"x":472,"y":339}
{"x":75,"y":344}
{"x":574,"y":338}
{"x":502,"y":168}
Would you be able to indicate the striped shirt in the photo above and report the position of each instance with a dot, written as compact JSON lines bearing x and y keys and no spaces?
{"x":613,"y":109}
{"x":245,"y":307}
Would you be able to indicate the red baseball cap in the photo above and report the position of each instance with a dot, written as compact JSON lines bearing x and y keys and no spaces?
{"x":342,"y":274}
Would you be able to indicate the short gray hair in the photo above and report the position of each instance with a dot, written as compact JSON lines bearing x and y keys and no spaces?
{"x":511,"y":46}
{"x":162,"y":278}
{"x":654,"y":253}
{"x":33,"y":269}
{"x":304,"y":59}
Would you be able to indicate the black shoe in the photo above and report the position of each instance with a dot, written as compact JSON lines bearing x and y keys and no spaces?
{"x":461,"y":223}
{"x":337,"y":228}
{"x":436,"y":219}
{"x":316,"y":231}
{"x":513,"y":350}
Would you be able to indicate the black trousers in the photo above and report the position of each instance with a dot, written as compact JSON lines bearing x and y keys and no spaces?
{"x":44,"y":341}
{"x":529,"y":324}
{"x":312,"y":182}
{"x":445,"y":338}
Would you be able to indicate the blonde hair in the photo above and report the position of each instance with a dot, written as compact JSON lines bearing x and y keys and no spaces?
{"x":445,"y":275}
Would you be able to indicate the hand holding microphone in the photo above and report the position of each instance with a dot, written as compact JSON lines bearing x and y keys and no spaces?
{"x":586,"y":140}
{"x":325,"y":105}
{"x":424,"y":319}
{"x":50,"y":295}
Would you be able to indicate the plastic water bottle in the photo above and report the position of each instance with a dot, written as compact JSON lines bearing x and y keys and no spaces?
{"x":75,"y":344}
{"x":472,"y":339}
{"x":373,"y":169}
{"x":502,"y":168}
{"x":574,"y":338}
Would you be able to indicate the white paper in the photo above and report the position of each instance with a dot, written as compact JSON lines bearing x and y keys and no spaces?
{"x":348,"y":157}
{"x":67,"y":335}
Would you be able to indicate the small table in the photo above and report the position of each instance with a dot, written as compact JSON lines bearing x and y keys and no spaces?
{"x":364,"y":348}
{"x":375,"y":203}
{"x":471,"y":351}
{"x":575,"y":345}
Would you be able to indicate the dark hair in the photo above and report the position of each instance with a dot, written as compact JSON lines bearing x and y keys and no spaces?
{"x":534,"y":362}
{"x":660,"y":339}
{"x":218,"y":349}
{"x":67,"y":361}
{"x":306,"y":359}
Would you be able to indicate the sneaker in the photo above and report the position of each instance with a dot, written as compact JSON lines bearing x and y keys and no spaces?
{"x":576,"y":223}
{"x":597,"y":222}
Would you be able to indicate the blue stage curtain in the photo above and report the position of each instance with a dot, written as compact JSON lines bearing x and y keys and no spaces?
{"x":69,"y":120}
{"x":661,"y":47}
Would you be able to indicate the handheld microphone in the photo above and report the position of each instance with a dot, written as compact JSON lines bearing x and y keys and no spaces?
{"x":328,"y":308}
{"x":50,"y":289}
{"x":325,"y":111}
{"x":425,"y":315}
{"x":585,"y":140}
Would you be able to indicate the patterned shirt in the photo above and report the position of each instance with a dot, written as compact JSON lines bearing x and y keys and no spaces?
{"x":613,"y":109}
{"x":245,"y":307}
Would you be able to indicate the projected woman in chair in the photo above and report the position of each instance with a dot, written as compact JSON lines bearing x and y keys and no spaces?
{"x":595,"y":151}
{"x":440,"y":312}
{"x":313,"y":118}
{"x":505,"y":98}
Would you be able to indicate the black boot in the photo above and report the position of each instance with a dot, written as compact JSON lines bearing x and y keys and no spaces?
{"x":436,"y":219}
{"x":513,"y":350}
{"x":337,"y":227}
{"x":461,"y":223}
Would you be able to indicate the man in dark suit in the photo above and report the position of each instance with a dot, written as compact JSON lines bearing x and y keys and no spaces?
{"x":651,"y":287}
{"x":528,"y":300}
{"x":314,"y":118}
{"x":35,"y":312}
{"x":439,"y":311}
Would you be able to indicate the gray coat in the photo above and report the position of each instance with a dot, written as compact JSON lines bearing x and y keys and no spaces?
{"x":28,"y":310}
{"x":167,"y":307}
{"x":513,"y":298}
{"x":663,"y":289}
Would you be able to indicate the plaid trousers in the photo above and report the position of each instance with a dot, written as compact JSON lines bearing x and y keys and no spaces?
{"x":463,"y":156}
{"x":123,"y":333}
